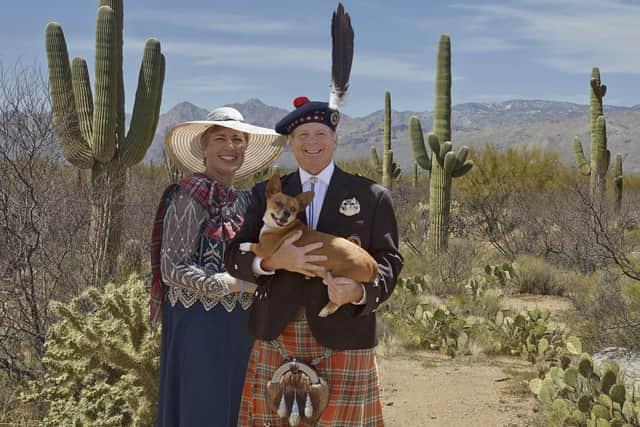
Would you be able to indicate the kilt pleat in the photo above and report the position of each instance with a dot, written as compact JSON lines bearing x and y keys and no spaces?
{"x":354,"y":398}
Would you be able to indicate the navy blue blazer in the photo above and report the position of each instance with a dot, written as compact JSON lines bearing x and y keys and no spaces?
{"x":279,"y":295}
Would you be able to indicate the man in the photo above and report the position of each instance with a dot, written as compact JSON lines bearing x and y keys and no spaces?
{"x":284,"y":317}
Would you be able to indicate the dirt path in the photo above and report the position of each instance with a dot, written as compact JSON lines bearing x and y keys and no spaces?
{"x":424,"y":389}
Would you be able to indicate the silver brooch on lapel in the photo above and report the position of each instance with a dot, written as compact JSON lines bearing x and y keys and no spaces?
{"x":350,"y":207}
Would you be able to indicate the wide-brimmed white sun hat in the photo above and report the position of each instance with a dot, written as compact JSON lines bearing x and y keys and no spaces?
{"x":182,"y":143}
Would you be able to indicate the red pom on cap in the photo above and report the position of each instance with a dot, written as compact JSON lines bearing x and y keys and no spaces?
{"x":300,"y":101}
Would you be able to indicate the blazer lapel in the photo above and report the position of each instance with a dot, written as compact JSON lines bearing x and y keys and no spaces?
{"x":336,"y":192}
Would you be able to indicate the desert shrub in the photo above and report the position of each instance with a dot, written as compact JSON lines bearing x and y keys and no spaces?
{"x":535,"y":276}
{"x":102,"y":361}
{"x":608,"y":305}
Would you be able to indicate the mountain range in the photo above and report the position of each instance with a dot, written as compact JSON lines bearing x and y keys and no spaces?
{"x":547,"y":124}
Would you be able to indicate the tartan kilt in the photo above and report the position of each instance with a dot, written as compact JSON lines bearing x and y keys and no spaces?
{"x":352,"y":375}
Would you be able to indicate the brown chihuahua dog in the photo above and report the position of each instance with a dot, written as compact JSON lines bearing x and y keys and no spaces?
{"x":344,"y":258}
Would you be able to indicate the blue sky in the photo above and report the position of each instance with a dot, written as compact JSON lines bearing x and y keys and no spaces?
{"x":222,"y":52}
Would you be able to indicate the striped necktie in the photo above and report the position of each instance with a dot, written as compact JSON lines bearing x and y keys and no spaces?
{"x":311,"y":212}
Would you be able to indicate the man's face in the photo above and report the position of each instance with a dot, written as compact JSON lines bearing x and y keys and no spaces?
{"x":313,"y":145}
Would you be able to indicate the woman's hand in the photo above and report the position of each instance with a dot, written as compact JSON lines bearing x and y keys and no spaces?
{"x":343,"y":290}
{"x":296,"y":259}
{"x":237,"y":285}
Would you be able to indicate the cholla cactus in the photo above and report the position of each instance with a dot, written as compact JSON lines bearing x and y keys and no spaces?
{"x":388,"y":168}
{"x":102,"y":360}
{"x":445,"y":164}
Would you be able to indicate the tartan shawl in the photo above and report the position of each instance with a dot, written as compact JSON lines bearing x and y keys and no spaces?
{"x":223,"y":223}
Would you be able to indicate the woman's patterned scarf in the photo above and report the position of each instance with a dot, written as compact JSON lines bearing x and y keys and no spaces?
{"x":223,"y":224}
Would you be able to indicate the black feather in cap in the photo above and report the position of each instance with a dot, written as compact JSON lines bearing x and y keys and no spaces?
{"x":341,"y":56}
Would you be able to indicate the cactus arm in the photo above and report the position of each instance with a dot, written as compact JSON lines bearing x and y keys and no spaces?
{"x":158,"y":97}
{"x":417,"y":143}
{"x":434,"y":144}
{"x":581,"y":161}
{"x":445,"y":148}
{"x":462,"y":153}
{"x":83,"y":97}
{"x":617,"y":182}
{"x":442,"y":111}
{"x":118,"y":10}
{"x":141,"y":131}
{"x":75,"y":147}
{"x":450,"y":163}
{"x":463,"y":169}
{"x":104,"y":114}
{"x":375,"y":160}
{"x":396,"y":171}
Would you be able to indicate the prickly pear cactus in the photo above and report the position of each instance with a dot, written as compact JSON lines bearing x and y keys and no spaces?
{"x":582,"y":395}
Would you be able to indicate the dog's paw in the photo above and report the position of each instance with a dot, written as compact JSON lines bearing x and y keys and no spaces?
{"x":245,"y":247}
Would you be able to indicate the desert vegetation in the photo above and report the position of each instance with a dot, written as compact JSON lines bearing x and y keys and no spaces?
{"x":76,"y":211}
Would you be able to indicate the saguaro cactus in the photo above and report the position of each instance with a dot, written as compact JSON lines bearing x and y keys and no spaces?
{"x":444,"y":164}
{"x":617,"y":183}
{"x":597,"y":167}
{"x":90,"y":128}
{"x":388,"y":168}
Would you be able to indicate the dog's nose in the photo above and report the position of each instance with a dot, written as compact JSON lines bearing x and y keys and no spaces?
{"x":286,"y":213}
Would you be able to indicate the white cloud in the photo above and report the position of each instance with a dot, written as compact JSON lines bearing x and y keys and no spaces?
{"x":484,"y":44}
{"x":260,"y":57}
{"x":213,"y":22}
{"x":215,"y":84}
{"x":570,"y":35}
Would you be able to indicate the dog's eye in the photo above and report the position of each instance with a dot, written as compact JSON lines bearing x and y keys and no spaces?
{"x":278,"y":204}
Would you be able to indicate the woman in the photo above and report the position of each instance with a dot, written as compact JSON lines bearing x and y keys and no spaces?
{"x":205,"y":346}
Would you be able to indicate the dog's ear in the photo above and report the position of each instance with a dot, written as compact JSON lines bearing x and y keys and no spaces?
{"x":274,"y":186}
{"x":304,"y":198}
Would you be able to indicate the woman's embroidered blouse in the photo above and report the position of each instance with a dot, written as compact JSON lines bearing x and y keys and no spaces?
{"x":192,"y":262}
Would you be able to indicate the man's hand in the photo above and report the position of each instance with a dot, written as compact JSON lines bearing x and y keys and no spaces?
{"x":343,"y":290}
{"x":296,"y":259}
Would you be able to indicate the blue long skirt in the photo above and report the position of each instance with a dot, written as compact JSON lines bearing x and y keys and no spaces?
{"x":203,"y":362}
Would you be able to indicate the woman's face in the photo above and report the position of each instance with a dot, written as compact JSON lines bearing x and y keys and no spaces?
{"x":224,"y":150}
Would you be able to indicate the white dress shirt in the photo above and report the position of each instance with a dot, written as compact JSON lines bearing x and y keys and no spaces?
{"x":320,"y":189}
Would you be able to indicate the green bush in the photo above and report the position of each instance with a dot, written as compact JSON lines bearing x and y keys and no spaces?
{"x":535,"y":276}
{"x":102,"y":360}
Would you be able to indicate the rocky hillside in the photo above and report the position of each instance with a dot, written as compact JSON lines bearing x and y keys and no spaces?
{"x":544,"y":123}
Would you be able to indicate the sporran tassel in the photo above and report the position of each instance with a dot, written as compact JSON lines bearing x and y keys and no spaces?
{"x":294,"y":418}
{"x":282,"y":408}
{"x":308,"y":407}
